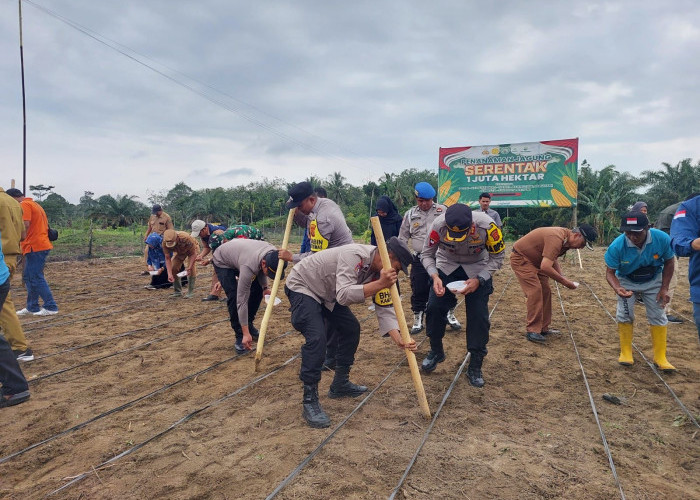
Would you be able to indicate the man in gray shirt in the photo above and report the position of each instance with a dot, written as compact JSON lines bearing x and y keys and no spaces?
{"x":243,"y":267}
{"x":485,"y":204}
{"x":320,"y":288}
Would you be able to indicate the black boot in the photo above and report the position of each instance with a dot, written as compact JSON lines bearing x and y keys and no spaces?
{"x":342,"y":387}
{"x":328,"y":363}
{"x":253,"y":331}
{"x":476,"y":379}
{"x":313,"y":413}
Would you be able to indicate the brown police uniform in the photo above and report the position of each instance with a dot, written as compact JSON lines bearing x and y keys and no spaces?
{"x":159,"y":223}
{"x":186,"y":247}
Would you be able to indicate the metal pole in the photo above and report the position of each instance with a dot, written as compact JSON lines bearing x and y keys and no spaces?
{"x":24,"y":106}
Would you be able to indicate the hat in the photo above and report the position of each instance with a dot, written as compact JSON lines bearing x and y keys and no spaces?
{"x":637,"y":207}
{"x":14,"y":192}
{"x":425,"y":190}
{"x":272,"y":260}
{"x":589,"y":233}
{"x":156,"y":209}
{"x":298,"y":193}
{"x":401,"y":251}
{"x":634,"y":221}
{"x":197,"y":226}
{"x":170,"y":238}
{"x":458,"y":218}
{"x":216,"y":240}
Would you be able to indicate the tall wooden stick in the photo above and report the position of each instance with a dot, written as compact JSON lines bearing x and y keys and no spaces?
{"x":273,"y":293}
{"x":403,"y":327}
{"x":24,"y":105}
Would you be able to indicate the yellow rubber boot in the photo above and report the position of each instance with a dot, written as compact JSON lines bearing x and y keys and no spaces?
{"x":625,"y":330}
{"x":658,"y":340}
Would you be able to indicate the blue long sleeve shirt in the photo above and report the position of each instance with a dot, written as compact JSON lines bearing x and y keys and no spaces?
{"x":685,"y":227}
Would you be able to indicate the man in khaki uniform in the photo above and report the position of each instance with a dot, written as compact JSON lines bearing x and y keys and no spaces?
{"x":183,"y":247}
{"x":320,"y":288}
{"x":12,"y":231}
{"x":158,"y":222}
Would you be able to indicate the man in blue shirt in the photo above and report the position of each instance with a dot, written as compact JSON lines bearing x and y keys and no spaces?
{"x":685,"y":240}
{"x":640,"y":261}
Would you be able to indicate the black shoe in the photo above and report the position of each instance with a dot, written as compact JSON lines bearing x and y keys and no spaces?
{"x":476,"y":379}
{"x":27,"y":355}
{"x":328,"y":365}
{"x":550,"y":331}
{"x":210,"y":298}
{"x":240,"y":348}
{"x":14,"y":399}
{"x":254,"y":332}
{"x":535,"y":337}
{"x":674,"y":319}
{"x":431,"y":361}
{"x":346,"y":390}
{"x":312,"y":411}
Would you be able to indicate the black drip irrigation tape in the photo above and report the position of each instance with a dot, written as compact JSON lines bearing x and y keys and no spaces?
{"x":174,"y":426}
{"x":145,"y":344}
{"x":590,"y":398}
{"x":445,"y":397}
{"x":688,"y":413}
{"x":129,"y":404}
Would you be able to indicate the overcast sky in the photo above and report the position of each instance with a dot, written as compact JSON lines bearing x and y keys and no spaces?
{"x":303,"y":88}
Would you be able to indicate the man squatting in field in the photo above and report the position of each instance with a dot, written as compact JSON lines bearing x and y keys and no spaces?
{"x":183,"y":247}
{"x":416,"y":223}
{"x":641,"y":262}
{"x":320,"y":288}
{"x":243,"y":267}
{"x":461,"y":245}
{"x":327,"y":228}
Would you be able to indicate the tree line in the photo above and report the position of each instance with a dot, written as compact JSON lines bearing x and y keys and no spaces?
{"x":604,"y":195}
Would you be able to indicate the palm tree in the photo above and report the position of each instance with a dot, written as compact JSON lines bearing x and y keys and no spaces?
{"x":671,"y":184}
{"x":336,"y":186}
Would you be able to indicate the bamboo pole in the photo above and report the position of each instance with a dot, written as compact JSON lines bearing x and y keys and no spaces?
{"x":273,"y":293}
{"x":403,"y":327}
{"x":580,"y":262}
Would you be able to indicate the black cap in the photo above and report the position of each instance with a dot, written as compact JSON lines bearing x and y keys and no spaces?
{"x":401,"y":251}
{"x":634,"y":221}
{"x":298,"y":193}
{"x":156,"y":209}
{"x":15,"y":193}
{"x":272,"y":260}
{"x":589,"y":234}
{"x":458,"y":218}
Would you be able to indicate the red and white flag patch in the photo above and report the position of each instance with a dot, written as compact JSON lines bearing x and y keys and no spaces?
{"x":679,"y":214}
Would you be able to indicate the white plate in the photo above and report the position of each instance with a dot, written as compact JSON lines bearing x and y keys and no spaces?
{"x":182,"y":274}
{"x":277,"y":300}
{"x":153,"y":273}
{"x":456,"y":286}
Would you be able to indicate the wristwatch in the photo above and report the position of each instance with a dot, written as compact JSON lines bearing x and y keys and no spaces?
{"x":482,"y":281}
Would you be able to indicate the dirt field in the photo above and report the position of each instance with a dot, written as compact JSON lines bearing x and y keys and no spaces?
{"x":153,"y":386}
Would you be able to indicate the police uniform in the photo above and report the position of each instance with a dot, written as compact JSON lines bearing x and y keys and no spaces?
{"x":321,"y":288}
{"x":495,"y":216}
{"x":237,"y":265}
{"x":478,"y":254}
{"x":326,"y":225}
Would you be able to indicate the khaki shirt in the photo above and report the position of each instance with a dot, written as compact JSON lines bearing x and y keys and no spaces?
{"x":543,"y":242}
{"x":416,"y":223}
{"x":480,"y":254}
{"x":245,"y":256}
{"x":185,"y":245}
{"x":158,"y":224}
{"x":338,"y":275}
{"x":11,"y":224}
{"x":326,"y":225}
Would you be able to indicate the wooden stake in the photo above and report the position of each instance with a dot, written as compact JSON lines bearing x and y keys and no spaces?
{"x":403,"y":327}
{"x":580,"y":264}
{"x":273,"y":293}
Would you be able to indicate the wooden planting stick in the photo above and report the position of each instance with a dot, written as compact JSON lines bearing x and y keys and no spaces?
{"x":403,"y":327}
{"x":273,"y":293}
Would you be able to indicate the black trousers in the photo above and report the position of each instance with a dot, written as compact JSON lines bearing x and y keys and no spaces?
{"x":309,"y":317}
{"x":420,"y":285}
{"x":227,"y":278}
{"x":477,"y":304}
{"x":11,"y":376}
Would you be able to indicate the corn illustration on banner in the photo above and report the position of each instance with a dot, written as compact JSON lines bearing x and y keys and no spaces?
{"x":543,"y":174}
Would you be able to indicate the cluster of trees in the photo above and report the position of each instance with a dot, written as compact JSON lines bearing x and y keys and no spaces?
{"x":603,"y":197}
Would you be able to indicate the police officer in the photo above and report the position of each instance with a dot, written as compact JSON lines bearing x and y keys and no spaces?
{"x":243,"y":267}
{"x":465,"y":246}
{"x":327,"y":228}
{"x":320,"y":288}
{"x":414,"y":227}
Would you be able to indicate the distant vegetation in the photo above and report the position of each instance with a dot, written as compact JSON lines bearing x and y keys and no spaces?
{"x":603,"y":197}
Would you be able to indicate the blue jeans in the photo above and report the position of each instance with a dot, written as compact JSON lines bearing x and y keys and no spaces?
{"x":35,"y":282}
{"x":11,"y":377}
{"x":696,"y":316}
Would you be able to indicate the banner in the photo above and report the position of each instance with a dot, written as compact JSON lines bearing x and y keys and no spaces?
{"x":541,"y":174}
